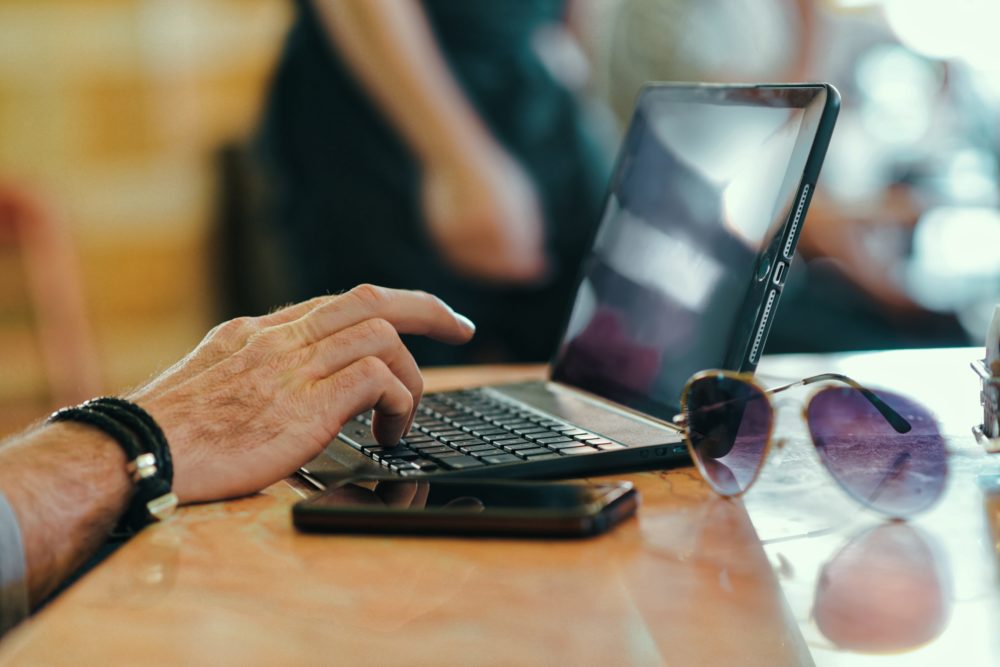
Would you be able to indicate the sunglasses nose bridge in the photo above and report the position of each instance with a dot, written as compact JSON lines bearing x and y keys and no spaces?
{"x":776,"y":451}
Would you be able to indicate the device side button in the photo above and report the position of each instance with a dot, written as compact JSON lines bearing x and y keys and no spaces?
{"x":779,"y":273}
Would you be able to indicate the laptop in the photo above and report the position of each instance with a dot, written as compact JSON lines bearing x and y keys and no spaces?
{"x":684,"y":273}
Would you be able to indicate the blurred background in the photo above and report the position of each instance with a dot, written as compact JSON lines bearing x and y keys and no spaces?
{"x":126,"y":206}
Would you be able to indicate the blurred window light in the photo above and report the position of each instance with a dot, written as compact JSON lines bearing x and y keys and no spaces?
{"x":853,"y":4}
{"x":971,"y":178}
{"x":962,"y":29}
{"x":898,"y":89}
{"x":956,"y":257}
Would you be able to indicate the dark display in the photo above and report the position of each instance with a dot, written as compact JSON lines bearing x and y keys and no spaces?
{"x":697,"y":213}
{"x":473,"y":507}
{"x":460,"y":497}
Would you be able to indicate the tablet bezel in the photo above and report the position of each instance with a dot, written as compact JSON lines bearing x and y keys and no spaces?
{"x":763,"y":294}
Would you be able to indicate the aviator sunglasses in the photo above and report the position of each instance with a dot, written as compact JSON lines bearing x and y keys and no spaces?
{"x":883,"y":449}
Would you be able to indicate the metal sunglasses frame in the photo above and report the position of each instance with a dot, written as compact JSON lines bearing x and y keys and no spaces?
{"x":897,"y":421}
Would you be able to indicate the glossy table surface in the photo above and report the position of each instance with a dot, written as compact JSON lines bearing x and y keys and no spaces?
{"x":794,"y":574}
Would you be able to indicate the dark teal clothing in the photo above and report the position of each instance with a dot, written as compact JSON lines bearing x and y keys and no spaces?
{"x":348,"y":187}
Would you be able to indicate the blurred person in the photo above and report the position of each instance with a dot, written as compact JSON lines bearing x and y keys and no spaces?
{"x":438,"y":145}
{"x":842,"y":296}
{"x":257,"y":399}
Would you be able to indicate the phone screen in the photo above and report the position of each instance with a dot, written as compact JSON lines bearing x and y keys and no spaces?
{"x":462,"y":497}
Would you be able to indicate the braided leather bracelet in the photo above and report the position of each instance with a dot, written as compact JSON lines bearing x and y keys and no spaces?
{"x":145,"y":447}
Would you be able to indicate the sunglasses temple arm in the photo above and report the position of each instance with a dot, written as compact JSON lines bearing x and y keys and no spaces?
{"x":896,"y":420}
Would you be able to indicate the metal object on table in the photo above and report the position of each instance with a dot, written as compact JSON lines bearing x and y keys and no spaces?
{"x":988,"y":433}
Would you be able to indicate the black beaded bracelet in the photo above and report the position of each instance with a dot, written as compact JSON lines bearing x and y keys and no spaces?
{"x":146,"y":449}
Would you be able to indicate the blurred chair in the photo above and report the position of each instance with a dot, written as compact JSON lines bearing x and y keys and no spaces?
{"x":57,"y":315}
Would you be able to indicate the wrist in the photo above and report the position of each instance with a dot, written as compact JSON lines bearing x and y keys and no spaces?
{"x":180,"y":430}
{"x":68,"y":486}
{"x":462,"y":149}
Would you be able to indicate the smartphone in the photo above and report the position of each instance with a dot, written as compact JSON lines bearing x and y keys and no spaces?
{"x":467,"y":507}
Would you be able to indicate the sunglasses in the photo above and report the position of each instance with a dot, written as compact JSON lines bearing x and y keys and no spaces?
{"x":883,"y":449}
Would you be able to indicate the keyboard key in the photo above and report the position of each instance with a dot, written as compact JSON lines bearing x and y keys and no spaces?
{"x":469,"y":441}
{"x":563,"y":445}
{"x":400,"y":455}
{"x":461,"y":462}
{"x":543,"y":457}
{"x":507,"y":439}
{"x":572,"y":431}
{"x":473,"y":425}
{"x":515,"y":443}
{"x":573,"y":451}
{"x":501,"y":437}
{"x":390,"y":451}
{"x":441,"y":456}
{"x":479,"y":450}
{"x":500,"y":458}
{"x":445,"y":434}
{"x":484,"y":433}
{"x":417,"y":439}
{"x":589,"y":436}
{"x":554,"y":440}
{"x":613,"y":445}
{"x":514,"y":422}
{"x":438,"y":448}
{"x":531,"y":431}
{"x":464,"y":439}
{"x":598,"y":441}
{"x":534,"y":451}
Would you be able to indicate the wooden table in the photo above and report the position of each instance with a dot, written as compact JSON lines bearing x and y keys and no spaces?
{"x":795,"y":574}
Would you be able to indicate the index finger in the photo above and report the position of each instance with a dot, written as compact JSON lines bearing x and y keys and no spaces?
{"x":410,"y":312}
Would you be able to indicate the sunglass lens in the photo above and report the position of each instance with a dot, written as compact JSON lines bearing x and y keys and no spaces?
{"x":729,"y":422}
{"x":897,"y":474}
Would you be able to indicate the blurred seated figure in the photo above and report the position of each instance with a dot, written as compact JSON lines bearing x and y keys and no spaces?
{"x":437,"y":145}
{"x":257,"y":399}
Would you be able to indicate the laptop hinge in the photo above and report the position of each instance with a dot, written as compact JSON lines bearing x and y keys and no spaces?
{"x":605,"y":404}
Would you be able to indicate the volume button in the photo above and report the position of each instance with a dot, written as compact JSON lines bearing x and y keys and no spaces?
{"x":758,"y":339}
{"x":796,"y":221}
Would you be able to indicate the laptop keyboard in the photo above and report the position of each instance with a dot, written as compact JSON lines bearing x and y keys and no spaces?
{"x":472,"y":429}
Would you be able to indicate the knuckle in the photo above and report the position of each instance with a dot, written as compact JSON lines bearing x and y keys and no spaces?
{"x":370,"y":296}
{"x":232,"y":333}
{"x":373,"y":368}
{"x":260,"y":341}
{"x":265,"y":344}
{"x":380,"y":328}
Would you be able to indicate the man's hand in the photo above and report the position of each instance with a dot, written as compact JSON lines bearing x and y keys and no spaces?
{"x":260,"y":396}
{"x":483,"y":215}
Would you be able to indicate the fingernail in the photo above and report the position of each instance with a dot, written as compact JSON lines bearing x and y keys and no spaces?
{"x":466,"y":322}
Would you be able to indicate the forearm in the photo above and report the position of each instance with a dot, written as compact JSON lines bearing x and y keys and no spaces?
{"x":390,"y":48}
{"x":67,"y":485}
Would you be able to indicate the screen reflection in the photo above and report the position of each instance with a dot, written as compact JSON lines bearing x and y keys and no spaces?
{"x":703,"y":186}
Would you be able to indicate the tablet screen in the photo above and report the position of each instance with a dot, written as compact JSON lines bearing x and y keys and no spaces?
{"x":705,"y":181}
